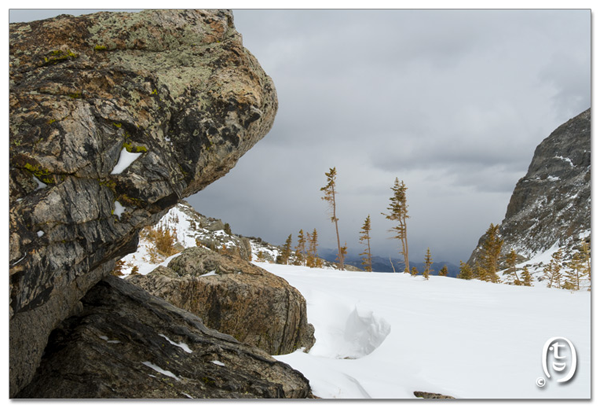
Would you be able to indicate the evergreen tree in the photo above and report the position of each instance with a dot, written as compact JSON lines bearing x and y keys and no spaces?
{"x":587,"y":270}
{"x":398,"y":212}
{"x":300,"y":249}
{"x":310,"y":260}
{"x":465,"y":271}
{"x":329,"y":196}
{"x":511,"y":261}
{"x":443,"y":271}
{"x":227,"y":229}
{"x":314,"y":243}
{"x":343,"y":252}
{"x":575,"y":273}
{"x":428,"y":263}
{"x":492,"y":246}
{"x":365,"y":238}
{"x":526,"y":277}
{"x":414,"y":271}
{"x":312,"y":254}
{"x":319,"y":263}
{"x":552,"y":271}
{"x":481,"y":273}
{"x":286,"y":251}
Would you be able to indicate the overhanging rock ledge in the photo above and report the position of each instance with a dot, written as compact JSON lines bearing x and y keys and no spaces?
{"x":170,"y":94}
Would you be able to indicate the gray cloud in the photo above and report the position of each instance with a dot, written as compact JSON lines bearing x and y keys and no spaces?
{"x":453,"y":102}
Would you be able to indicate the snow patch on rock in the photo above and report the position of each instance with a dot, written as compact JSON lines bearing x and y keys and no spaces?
{"x":182,"y":346}
{"x":160,"y":370}
{"x":125,"y":160}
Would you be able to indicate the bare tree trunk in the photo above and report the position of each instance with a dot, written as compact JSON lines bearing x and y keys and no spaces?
{"x":370,"y":257}
{"x":337,"y":233}
{"x":404,"y":241}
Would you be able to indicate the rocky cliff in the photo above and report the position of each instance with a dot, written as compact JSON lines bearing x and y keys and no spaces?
{"x":114,"y":117}
{"x":551,"y":205}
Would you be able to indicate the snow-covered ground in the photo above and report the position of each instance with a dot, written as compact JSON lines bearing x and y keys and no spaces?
{"x":536,"y":267}
{"x":385,"y":336}
{"x":382,"y":335}
{"x":186,"y":230}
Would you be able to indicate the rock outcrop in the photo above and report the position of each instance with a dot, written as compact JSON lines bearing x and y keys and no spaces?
{"x":431,"y":395}
{"x":114,"y":117}
{"x":126,"y":343}
{"x":235,"y":297}
{"x":213,"y":233}
{"x":552,"y":203}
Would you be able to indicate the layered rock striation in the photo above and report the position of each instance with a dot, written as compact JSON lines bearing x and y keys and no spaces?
{"x":235,"y":297}
{"x":551,"y":205}
{"x":126,"y":343}
{"x":114,"y":117}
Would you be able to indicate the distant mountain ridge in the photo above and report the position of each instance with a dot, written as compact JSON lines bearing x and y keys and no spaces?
{"x":382,"y":264}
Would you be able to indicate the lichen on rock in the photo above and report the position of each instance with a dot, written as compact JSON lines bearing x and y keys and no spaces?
{"x":233,"y":296}
{"x":175,"y":85}
{"x":126,"y":343}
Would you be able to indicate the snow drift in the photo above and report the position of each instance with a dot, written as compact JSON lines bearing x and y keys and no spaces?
{"x":386,"y":336}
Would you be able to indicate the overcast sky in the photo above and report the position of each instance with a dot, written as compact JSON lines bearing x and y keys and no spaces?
{"x":452,"y":102}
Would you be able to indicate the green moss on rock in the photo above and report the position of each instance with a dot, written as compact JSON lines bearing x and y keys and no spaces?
{"x":42,"y":174}
{"x":131,"y":148}
{"x":57,"y":56}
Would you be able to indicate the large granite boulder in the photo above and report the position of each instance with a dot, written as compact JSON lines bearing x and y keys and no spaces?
{"x":126,"y":343}
{"x":235,"y":297}
{"x":114,"y":117}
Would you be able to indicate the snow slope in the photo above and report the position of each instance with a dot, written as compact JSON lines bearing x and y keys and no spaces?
{"x":383,"y":335}
{"x":188,"y":227}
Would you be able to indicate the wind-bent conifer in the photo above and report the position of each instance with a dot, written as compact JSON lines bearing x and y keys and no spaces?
{"x":443,"y":271}
{"x":587,"y":270}
{"x":526,"y":277}
{"x":365,"y":238}
{"x":300,"y":249}
{"x":552,"y":271}
{"x":428,"y":263}
{"x":343,"y":252}
{"x":465,"y":271}
{"x":492,"y":246}
{"x":312,"y":257}
{"x":511,"y":261}
{"x":414,"y":271}
{"x":398,"y":212}
{"x":287,"y":250}
{"x":329,"y":196}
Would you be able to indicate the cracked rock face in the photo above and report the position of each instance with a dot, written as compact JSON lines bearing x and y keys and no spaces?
{"x":170,"y":96}
{"x":235,"y":297}
{"x":552,"y":203}
{"x":126,"y":343}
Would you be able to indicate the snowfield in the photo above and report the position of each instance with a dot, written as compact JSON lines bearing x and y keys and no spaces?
{"x":383,"y":335}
